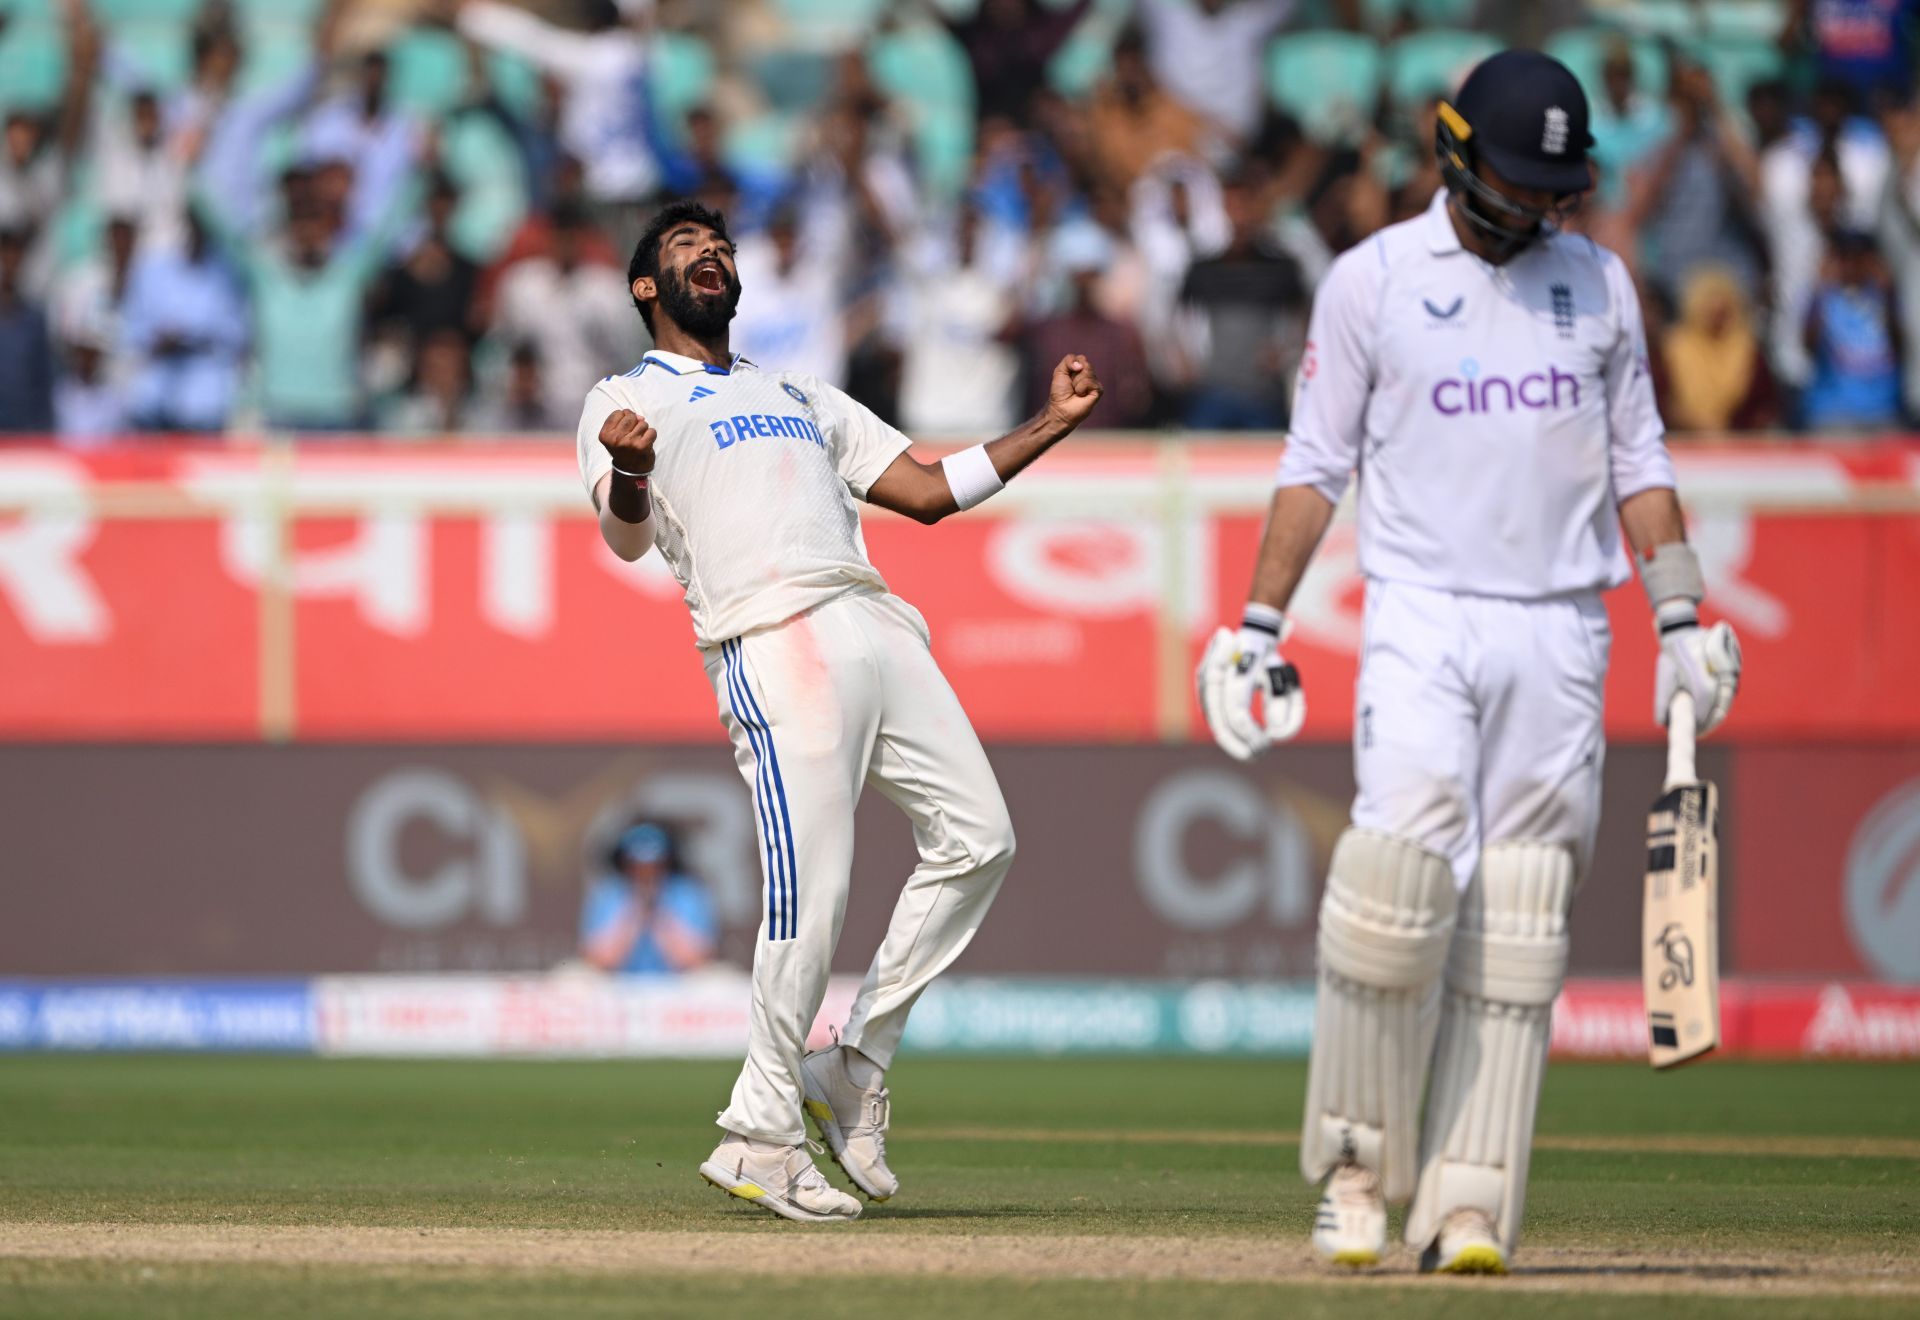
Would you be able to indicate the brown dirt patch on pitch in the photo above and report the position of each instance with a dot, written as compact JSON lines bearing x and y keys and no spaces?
{"x":1223,"y":1260}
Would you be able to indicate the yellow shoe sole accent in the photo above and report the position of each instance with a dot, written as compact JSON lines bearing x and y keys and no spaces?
{"x":746,"y":1191}
{"x":1356,"y":1258}
{"x":1476,"y":1260}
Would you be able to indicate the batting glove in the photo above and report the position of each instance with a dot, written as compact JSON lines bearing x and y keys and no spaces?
{"x":1704,"y":662}
{"x":1235,"y":666}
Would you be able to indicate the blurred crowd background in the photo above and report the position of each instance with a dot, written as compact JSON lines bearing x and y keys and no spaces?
{"x":413,"y":217}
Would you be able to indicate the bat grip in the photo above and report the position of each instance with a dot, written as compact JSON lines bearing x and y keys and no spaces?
{"x":1680,"y":740}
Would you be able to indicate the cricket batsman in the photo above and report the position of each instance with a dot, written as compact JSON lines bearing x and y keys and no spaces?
{"x":748,"y":482}
{"x":1486,"y":377}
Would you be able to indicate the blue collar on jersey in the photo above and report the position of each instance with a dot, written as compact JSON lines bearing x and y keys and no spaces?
{"x":676,"y":365}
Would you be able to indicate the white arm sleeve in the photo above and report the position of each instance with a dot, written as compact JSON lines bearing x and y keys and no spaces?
{"x":595,"y":461}
{"x":1336,"y":376}
{"x":863,"y":445}
{"x":506,"y":27}
{"x":1635,"y":434}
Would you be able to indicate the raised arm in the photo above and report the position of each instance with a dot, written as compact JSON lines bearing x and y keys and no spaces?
{"x":928,"y":492}
{"x":509,"y":28}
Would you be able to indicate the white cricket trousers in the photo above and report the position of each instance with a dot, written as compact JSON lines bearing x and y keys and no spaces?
{"x":1477,"y":719}
{"x":845,"y":695}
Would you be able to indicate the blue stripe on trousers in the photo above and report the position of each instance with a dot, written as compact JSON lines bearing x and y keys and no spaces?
{"x":780,"y":791}
{"x":763,"y":798}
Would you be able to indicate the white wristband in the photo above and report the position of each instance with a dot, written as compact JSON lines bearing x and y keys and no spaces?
{"x":971,"y":477}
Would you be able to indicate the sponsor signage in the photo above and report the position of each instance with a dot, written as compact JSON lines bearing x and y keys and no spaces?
{"x":157,"y":1015}
{"x":339,"y":592}
{"x":1135,"y":861}
{"x":705,"y":1016}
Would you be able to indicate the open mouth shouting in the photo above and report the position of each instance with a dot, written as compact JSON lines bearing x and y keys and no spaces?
{"x":708,"y":276}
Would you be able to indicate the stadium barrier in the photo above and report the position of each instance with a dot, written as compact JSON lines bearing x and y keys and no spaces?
{"x":705,"y":1016}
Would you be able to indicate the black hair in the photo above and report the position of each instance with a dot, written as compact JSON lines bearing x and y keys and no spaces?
{"x":646,"y":253}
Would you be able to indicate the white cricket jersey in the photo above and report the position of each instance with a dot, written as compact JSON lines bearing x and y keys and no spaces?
{"x":1496,"y":415}
{"x":755,"y":481}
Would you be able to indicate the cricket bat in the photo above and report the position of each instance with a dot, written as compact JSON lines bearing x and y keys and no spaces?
{"x":1680,"y":948}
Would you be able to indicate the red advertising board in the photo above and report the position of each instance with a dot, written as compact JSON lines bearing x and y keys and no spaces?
{"x":345,"y":592}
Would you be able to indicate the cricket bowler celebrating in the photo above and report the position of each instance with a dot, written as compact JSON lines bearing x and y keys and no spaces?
{"x":747,"y":481}
{"x":1486,"y":378}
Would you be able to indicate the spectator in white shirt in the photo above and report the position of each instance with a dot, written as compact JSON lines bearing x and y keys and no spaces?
{"x":790,"y":307}
{"x":137,"y":170}
{"x":89,"y":407}
{"x":88,"y":296}
{"x":1211,"y":54}
{"x":603,"y":119}
{"x":960,"y":368}
{"x":578,"y":311}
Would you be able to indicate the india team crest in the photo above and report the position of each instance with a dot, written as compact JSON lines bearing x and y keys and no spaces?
{"x":794,"y":390}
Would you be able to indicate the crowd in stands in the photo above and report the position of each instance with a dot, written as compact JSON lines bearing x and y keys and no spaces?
{"x":414,"y":216}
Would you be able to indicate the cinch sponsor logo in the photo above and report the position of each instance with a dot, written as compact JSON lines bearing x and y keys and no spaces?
{"x":1470,"y":392}
{"x":732,"y":430}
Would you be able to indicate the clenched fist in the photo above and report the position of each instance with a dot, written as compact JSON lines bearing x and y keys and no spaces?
{"x":629,"y":439}
{"x":1074,"y":391}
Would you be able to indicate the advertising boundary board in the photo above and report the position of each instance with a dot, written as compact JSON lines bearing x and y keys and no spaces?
{"x":705,"y":1017}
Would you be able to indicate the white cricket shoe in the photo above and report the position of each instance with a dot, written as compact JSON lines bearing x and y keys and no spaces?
{"x":1467,"y":1245}
{"x":852,"y":1120}
{"x":1350,"y":1227}
{"x":778,"y":1178}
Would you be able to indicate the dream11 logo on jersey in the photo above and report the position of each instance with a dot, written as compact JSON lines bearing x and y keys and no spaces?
{"x":1472,"y":393}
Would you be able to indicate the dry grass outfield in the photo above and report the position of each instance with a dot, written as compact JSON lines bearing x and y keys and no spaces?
{"x":925,"y":1255}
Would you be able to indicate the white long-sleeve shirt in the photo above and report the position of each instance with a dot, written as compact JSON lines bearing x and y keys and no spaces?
{"x":601,"y":121}
{"x":1215,"y":62}
{"x":1495,"y":415}
{"x":756,"y":485}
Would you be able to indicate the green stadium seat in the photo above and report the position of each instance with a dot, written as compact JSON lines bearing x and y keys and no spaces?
{"x":830,"y":25}
{"x":161,"y":49}
{"x":112,"y":13}
{"x":427,"y":71}
{"x":1424,"y":64}
{"x":33,"y":64}
{"x":1328,"y":81}
{"x":1738,"y":64}
{"x":272,"y":54}
{"x":793,"y":80}
{"x":1584,"y":50}
{"x":480,"y":157}
{"x":682,"y":73}
{"x":1750,"y":20}
{"x":303,"y":12}
{"x":1082,"y":61}
{"x":763,"y":144}
{"x":1676,"y":19}
{"x":1445,"y":13}
{"x":926,"y":68}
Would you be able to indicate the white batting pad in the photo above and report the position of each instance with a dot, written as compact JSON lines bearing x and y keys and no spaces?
{"x":1385,"y":924}
{"x":1509,"y":959}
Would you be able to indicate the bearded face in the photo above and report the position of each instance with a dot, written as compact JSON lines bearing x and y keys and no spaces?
{"x":700,"y":298}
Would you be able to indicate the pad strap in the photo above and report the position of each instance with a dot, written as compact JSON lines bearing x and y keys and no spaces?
{"x":1385,"y":923}
{"x":1509,"y":959}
